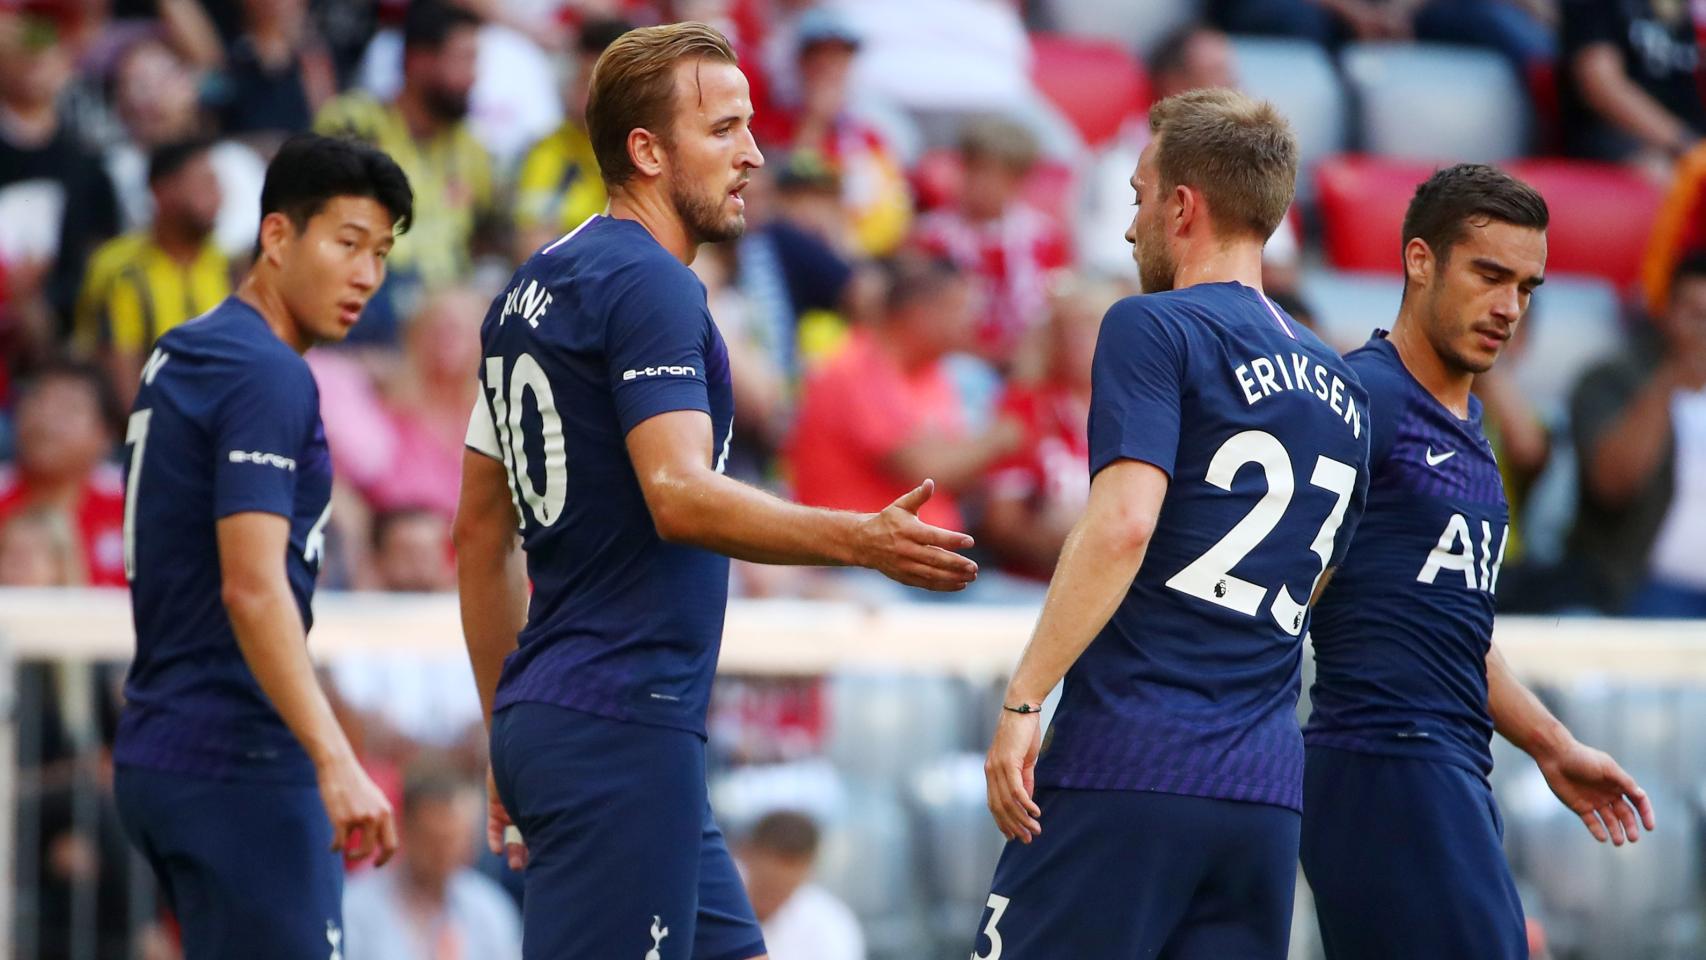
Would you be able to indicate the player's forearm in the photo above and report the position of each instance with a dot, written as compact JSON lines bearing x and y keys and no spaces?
{"x":1518,"y":714}
{"x":1096,"y":569}
{"x":491,"y":582}
{"x":273,"y":643}
{"x":718,"y":513}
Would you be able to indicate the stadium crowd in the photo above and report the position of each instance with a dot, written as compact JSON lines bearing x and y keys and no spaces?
{"x":932,"y":241}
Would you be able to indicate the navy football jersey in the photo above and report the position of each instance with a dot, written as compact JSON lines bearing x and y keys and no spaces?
{"x":1401,"y":634}
{"x":227,"y":420}
{"x":1191,"y":688}
{"x":595,"y":334}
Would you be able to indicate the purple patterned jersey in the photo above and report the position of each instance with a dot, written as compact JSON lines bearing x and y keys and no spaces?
{"x":1192,"y":686}
{"x":1402,"y":632}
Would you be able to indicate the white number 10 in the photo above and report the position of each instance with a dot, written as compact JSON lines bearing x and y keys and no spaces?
{"x":1209,"y":576}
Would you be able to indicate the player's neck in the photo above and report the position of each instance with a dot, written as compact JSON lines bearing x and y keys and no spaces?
{"x":1214,"y":262}
{"x":654,"y":211}
{"x":1447,"y":385}
{"x":262,"y":294}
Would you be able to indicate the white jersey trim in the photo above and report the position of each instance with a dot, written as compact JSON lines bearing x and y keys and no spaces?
{"x":482,"y":432}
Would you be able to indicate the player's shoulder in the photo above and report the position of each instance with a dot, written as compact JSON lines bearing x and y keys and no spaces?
{"x":236,"y":338}
{"x":612,"y":258}
{"x":1379,"y":369}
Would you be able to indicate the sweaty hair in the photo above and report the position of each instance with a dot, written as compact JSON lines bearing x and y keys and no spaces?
{"x":633,"y":87}
{"x":1238,"y":152}
{"x":1469,"y":193}
{"x":427,"y":24}
{"x":785,"y":833}
{"x":310,"y":170}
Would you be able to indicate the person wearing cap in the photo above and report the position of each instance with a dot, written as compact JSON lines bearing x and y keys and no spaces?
{"x":873,"y":179}
{"x":558,"y":185}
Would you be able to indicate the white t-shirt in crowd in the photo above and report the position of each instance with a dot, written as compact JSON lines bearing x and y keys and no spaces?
{"x":814,"y":925}
{"x":1678,"y":556}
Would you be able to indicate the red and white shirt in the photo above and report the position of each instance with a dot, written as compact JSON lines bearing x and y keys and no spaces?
{"x":99,"y":517}
{"x":1012,"y":256}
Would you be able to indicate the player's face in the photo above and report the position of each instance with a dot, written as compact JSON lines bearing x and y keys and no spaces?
{"x":1155,"y":263}
{"x":711,"y":150}
{"x":1481,"y":292}
{"x":331,"y":269}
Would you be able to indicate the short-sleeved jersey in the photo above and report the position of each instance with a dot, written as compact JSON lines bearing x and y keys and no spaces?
{"x":595,"y":334}
{"x":1262,"y":429}
{"x":227,"y":421}
{"x":1402,"y":632}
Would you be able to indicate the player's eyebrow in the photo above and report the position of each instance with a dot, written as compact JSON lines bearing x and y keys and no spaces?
{"x":352,"y":225}
{"x":1489,"y":265}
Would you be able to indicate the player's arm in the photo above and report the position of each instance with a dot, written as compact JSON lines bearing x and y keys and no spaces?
{"x":491,"y":587}
{"x":1101,"y":558}
{"x":692,"y":503}
{"x":256,"y":592}
{"x":1588,"y":781}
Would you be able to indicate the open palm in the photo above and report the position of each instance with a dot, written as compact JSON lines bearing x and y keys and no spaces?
{"x":1607,"y":799}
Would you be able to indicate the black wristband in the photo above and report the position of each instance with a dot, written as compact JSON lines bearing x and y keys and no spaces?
{"x":1023,"y":708}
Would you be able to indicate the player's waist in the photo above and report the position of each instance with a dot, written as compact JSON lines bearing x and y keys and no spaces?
{"x":1464,"y":740}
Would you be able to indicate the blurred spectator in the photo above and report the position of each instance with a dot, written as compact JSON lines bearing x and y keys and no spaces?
{"x":1037,"y":494}
{"x":425,"y":130}
{"x":558,"y":185}
{"x":154,"y":94}
{"x":792,"y":272}
{"x":873,"y":183}
{"x":144,"y":283}
{"x":760,"y":385}
{"x":1520,"y":441}
{"x":277,"y":72}
{"x":431,"y":903}
{"x":400,"y":446}
{"x":1007,"y":245}
{"x":1520,"y":30}
{"x":801,"y":920}
{"x":38,"y":548}
{"x":1192,"y":57}
{"x":1629,"y":81}
{"x":65,"y":414}
{"x":45,"y":237}
{"x":1679,"y":229}
{"x":883,"y":414}
{"x":411,"y":551}
{"x":1640,"y":429}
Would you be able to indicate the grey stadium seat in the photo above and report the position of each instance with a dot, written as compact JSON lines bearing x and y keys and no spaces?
{"x":1297,"y":77}
{"x":1137,"y":26}
{"x":1435,"y":102}
{"x":1349,"y":306}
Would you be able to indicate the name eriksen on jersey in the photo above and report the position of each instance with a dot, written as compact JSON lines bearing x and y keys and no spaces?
{"x":1262,"y":377}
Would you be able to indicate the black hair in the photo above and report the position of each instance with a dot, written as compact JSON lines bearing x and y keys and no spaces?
{"x":1691,"y":267}
{"x":912,"y":276}
{"x":310,"y":170}
{"x":1449,"y":201}
{"x":79,"y":372}
{"x":598,"y":33}
{"x":169,"y":158}
{"x":786,"y":833}
{"x":427,"y":24}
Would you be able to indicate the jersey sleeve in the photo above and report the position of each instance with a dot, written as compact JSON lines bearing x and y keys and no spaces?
{"x":657,"y":346}
{"x":260,"y":429}
{"x":1135,"y":385}
{"x":482,"y":431}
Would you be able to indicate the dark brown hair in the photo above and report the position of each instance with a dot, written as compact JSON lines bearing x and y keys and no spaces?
{"x":1469,"y":193}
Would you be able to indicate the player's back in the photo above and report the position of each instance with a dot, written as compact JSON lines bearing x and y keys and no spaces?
{"x":1262,"y":429}
{"x":1402,"y":633}
{"x":226,"y":421}
{"x":595,"y":334}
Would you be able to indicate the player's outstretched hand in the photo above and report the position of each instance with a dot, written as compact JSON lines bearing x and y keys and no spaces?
{"x":362,"y":822}
{"x":1010,"y":774}
{"x":907,"y":550}
{"x":502,"y":837}
{"x":1607,"y":799}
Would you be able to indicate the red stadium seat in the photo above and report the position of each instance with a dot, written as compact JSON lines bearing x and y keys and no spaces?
{"x":1096,"y":84}
{"x":1602,"y":215}
{"x":1362,"y":201}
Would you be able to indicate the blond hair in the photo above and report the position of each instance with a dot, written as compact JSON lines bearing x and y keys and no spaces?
{"x":1240,"y":153}
{"x":633,"y":87}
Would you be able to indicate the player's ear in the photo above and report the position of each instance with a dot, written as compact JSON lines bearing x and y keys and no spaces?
{"x":1419,"y":263}
{"x":1185,"y":209}
{"x":276,"y":234}
{"x":645,"y":151}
